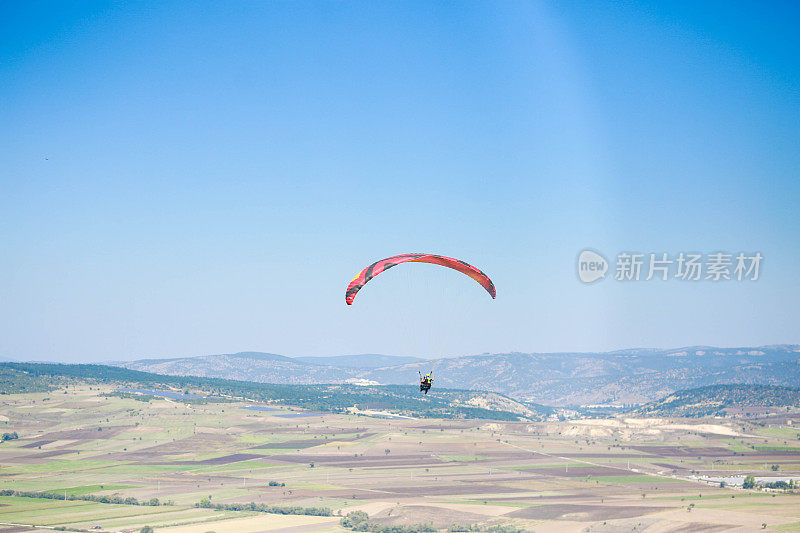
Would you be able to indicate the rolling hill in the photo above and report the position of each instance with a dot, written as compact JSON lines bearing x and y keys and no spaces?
{"x":719,"y":400}
{"x":398,"y":399}
{"x":633,"y":376}
{"x":246,"y":366}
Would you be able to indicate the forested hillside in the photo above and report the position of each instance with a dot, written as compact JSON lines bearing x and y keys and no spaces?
{"x":397,"y":399}
{"x":716,"y":399}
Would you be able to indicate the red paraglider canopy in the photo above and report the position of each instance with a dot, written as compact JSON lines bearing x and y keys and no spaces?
{"x":384,"y":264}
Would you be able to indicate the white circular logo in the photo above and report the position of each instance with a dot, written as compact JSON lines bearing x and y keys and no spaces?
{"x":591,"y":266}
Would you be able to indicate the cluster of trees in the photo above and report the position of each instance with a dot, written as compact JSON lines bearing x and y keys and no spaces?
{"x":781,"y":485}
{"x":130,"y":500}
{"x":359,"y":521}
{"x":9,"y":436}
{"x":487,"y":529}
{"x":205,"y":503}
{"x":750,"y":483}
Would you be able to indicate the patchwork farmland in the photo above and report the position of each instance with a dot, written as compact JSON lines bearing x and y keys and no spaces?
{"x":87,"y":459}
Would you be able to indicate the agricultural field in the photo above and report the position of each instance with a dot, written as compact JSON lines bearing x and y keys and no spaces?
{"x":184,"y":467}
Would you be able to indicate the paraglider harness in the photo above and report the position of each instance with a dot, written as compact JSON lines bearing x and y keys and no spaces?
{"x":425,"y":381}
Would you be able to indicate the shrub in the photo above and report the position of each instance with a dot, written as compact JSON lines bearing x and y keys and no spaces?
{"x":354,"y":518}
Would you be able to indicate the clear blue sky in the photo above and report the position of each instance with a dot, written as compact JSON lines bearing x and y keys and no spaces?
{"x":184,"y":179}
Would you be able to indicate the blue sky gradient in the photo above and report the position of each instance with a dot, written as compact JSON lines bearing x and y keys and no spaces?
{"x":183,"y":179}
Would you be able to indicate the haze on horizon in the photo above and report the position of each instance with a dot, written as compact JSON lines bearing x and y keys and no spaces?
{"x":198,"y":179}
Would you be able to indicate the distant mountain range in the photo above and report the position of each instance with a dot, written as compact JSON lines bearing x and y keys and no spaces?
{"x":634,"y":376}
{"x":270,"y":368}
{"x":367,"y":360}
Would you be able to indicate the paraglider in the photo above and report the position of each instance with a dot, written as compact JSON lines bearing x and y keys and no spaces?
{"x":363,"y":277}
{"x":425,"y":381}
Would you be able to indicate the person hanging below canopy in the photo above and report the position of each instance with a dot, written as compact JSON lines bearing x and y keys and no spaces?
{"x":425,"y":381}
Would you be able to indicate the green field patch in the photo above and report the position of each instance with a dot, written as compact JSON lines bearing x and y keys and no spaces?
{"x":311,"y":486}
{"x":273,"y":451}
{"x":226,"y":493}
{"x":131,"y":468}
{"x":496,"y":503}
{"x":200,"y":457}
{"x":461,"y":458}
{"x":58,"y":512}
{"x":632,"y":460}
{"x":248,"y":438}
{"x":167,"y":516}
{"x":289,"y":445}
{"x":777,"y":448}
{"x":736,"y":445}
{"x":723,"y":497}
{"x":242,"y":465}
{"x":781,"y":433}
{"x":794,"y":526}
{"x":67,"y":465}
{"x":108,"y":512}
{"x":787,"y":467}
{"x":323,"y":501}
{"x":763,"y":505}
{"x":543,"y":465}
{"x":18,"y":508}
{"x":88,"y":489}
{"x":635,"y":478}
